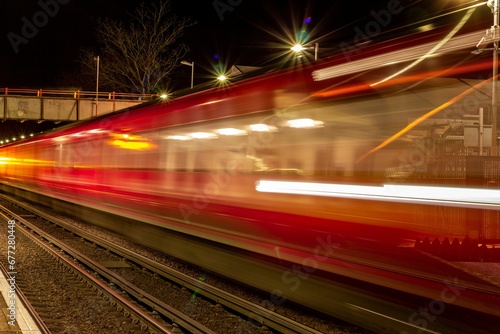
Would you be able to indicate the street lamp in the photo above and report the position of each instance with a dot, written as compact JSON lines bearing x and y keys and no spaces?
{"x":192,"y":70}
{"x":97,"y":85}
{"x":298,"y":48}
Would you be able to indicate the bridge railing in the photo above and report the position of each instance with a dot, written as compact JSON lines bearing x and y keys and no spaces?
{"x":76,"y":94}
{"x":63,"y":105}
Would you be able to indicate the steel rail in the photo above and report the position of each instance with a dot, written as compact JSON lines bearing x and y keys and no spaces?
{"x":253,"y":311}
{"x":25,"y":227}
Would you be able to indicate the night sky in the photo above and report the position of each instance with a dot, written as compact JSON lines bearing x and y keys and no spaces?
{"x":244,"y":32}
{"x":238,"y":32}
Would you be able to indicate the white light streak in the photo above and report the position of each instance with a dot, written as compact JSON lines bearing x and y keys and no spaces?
{"x":231,"y":132}
{"x":433,"y":50}
{"x":97,"y":131}
{"x":409,"y":54}
{"x":466,"y":197}
{"x":203,"y":135}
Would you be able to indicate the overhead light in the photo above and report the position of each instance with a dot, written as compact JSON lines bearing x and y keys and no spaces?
{"x":231,"y":132}
{"x":203,"y":135}
{"x":297,"y":48}
{"x":260,"y":127}
{"x":303,"y":123}
{"x":179,"y":137}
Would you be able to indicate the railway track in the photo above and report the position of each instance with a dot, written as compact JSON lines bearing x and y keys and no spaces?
{"x":171,"y":300}
{"x":83,"y":276}
{"x":65,"y":295}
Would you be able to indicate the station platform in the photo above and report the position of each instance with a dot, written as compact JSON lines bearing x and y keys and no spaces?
{"x":14,"y":320}
{"x":488,"y":271}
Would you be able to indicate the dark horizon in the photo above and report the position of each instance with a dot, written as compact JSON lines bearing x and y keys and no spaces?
{"x":42,"y":40}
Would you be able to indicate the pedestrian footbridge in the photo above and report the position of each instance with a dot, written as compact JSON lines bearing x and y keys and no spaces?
{"x":63,"y":105}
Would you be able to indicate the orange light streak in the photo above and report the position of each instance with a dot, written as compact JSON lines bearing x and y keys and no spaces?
{"x":354,"y":88}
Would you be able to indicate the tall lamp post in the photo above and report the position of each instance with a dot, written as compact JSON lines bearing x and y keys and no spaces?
{"x":493,"y":4}
{"x":192,"y":70}
{"x":97,"y":85}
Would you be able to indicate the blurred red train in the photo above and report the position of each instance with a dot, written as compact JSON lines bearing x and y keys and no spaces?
{"x":363,"y":152}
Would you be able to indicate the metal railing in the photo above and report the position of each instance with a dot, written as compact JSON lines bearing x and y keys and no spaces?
{"x":76,"y":94}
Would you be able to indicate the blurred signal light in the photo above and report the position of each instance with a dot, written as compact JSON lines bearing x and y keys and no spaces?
{"x":131,"y":142}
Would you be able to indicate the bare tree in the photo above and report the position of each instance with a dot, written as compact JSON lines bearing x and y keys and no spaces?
{"x":138,"y":55}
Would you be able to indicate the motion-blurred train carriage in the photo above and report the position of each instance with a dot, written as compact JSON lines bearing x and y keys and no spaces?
{"x":407,"y":116}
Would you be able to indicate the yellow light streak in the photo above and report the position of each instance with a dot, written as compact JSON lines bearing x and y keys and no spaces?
{"x":131,"y":145}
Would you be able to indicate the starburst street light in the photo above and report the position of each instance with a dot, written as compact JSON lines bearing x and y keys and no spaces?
{"x":298,"y":48}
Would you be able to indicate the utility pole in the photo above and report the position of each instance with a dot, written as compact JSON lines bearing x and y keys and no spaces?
{"x":97,"y":85}
{"x":492,"y":35}
{"x":493,"y":4}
